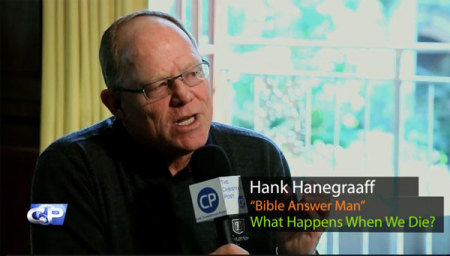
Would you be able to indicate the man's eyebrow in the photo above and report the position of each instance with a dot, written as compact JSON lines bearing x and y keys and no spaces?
{"x":156,"y":79}
{"x":161,"y":77}
{"x":153,"y":79}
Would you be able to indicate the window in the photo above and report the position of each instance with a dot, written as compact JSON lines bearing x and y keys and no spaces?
{"x":344,"y":87}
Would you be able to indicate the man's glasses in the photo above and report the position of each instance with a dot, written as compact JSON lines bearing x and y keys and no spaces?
{"x":160,"y":89}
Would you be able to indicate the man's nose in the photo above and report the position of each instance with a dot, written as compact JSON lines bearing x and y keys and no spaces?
{"x":181,"y":93}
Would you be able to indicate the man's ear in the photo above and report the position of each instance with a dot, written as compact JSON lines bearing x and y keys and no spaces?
{"x":112,"y":101}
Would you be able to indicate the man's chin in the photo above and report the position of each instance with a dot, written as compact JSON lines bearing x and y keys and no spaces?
{"x":189,"y":146}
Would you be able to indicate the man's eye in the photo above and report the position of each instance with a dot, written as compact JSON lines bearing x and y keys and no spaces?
{"x":160,"y":84}
{"x":191,"y":74}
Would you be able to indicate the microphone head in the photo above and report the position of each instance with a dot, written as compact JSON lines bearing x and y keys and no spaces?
{"x":209,"y":162}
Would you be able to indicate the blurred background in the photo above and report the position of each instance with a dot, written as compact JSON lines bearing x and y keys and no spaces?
{"x":344,"y":87}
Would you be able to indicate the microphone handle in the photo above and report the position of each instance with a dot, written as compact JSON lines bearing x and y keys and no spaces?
{"x":223,"y":227}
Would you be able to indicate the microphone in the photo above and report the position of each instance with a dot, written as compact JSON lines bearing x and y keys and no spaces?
{"x":208,"y":164}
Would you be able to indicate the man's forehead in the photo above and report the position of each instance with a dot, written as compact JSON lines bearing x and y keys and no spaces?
{"x":148,"y":25}
{"x":156,"y":42}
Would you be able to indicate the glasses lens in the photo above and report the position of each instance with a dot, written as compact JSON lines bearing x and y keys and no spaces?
{"x":192,"y":77}
{"x":205,"y":68}
{"x":157,"y":90}
{"x":196,"y":75}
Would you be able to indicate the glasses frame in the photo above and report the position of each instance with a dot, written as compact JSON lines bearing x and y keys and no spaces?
{"x":168,"y":80}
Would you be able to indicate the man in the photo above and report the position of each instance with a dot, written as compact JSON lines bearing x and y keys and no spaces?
{"x":125,"y":180}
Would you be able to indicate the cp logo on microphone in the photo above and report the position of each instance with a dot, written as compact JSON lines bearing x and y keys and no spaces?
{"x":47,"y":214}
{"x":208,"y":200}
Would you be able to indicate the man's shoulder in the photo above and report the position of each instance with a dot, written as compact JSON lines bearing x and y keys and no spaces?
{"x":71,"y":153}
{"x":83,"y":136}
{"x":250,"y":153}
{"x":242,"y":139}
{"x":224,"y":131}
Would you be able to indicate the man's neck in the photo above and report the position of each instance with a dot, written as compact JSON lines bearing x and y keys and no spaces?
{"x":175,"y":164}
{"x":179,"y":163}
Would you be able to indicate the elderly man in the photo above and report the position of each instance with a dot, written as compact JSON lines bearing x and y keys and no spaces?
{"x":125,"y":180}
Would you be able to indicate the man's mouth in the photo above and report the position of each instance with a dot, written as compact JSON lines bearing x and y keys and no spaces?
{"x":186,"y":121}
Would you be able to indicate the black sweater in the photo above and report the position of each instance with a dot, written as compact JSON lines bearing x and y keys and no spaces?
{"x":122,"y":198}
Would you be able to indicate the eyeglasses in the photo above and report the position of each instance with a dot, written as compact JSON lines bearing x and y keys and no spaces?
{"x":160,"y":89}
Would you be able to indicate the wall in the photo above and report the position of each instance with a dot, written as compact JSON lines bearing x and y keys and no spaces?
{"x":20,"y":101}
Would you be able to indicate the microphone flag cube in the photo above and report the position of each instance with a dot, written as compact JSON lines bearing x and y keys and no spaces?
{"x":218,"y":197}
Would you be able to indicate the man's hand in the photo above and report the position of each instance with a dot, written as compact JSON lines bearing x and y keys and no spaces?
{"x":298,"y":242}
{"x":229,"y":249}
{"x":304,"y":242}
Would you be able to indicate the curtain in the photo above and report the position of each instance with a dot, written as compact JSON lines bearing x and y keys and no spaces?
{"x":71,"y":74}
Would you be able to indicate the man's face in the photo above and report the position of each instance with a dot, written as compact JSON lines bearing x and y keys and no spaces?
{"x":180,"y":122}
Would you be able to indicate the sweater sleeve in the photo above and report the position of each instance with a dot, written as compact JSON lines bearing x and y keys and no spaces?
{"x":62,"y":177}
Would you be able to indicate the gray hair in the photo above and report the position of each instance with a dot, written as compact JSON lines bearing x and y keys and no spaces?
{"x":111,"y":58}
